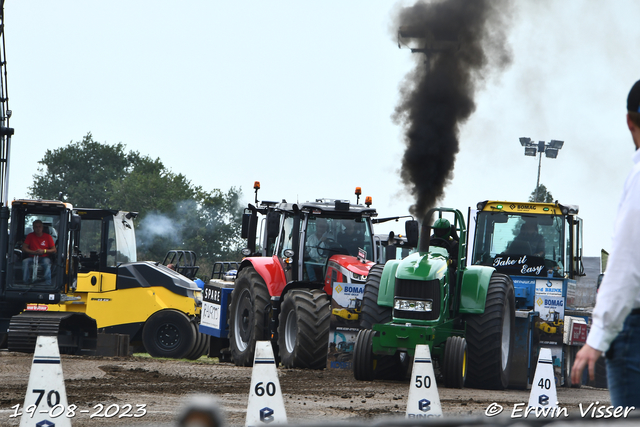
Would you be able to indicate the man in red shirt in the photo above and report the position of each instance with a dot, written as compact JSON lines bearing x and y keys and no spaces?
{"x":38,"y":244}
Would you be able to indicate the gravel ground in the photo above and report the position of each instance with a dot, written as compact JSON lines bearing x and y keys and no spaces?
{"x":309,"y":396}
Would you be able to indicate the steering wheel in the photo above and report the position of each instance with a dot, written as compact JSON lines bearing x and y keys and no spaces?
{"x":328,"y":245}
{"x":444,"y":243}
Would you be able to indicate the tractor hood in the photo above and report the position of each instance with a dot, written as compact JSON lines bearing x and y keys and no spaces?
{"x":424,"y":265}
{"x":353,"y":264}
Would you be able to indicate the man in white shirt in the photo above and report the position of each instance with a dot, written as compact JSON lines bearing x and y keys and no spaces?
{"x":616,"y":316}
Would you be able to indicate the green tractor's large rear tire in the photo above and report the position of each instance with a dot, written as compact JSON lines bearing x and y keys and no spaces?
{"x":303,"y":329}
{"x":371,"y":313}
{"x":490,"y":337}
{"x":249,"y":302}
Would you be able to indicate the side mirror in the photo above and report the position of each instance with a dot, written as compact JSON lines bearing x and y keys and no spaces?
{"x":412,"y":230}
{"x":76,"y":221}
{"x":273,"y":225}
{"x":246,"y":221}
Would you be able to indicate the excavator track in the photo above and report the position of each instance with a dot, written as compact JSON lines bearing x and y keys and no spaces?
{"x":76,"y":332}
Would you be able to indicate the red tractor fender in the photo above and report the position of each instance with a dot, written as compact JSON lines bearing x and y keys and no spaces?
{"x":270,"y":270}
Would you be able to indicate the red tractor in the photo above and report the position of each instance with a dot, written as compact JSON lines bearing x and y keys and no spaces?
{"x":283,"y":287}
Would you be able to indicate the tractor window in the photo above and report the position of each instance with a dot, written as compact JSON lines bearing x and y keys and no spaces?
{"x":353,"y":235}
{"x":286,"y":236}
{"x":519,"y":244}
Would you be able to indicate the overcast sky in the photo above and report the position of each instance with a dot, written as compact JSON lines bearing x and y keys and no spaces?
{"x":299,"y":95}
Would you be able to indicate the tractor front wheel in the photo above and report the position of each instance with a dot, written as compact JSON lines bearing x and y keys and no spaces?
{"x":455,"y":362}
{"x":490,"y":337}
{"x":363,"y":356}
{"x":303,"y":331}
{"x":249,"y":303}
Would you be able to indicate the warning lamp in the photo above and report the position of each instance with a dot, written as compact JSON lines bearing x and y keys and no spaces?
{"x":256,"y":186}
{"x":368,"y":201}
{"x":358,"y":193}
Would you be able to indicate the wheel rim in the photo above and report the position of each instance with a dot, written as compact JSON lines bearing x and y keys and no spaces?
{"x":242,"y":321}
{"x":290,"y":331}
{"x":464,"y":363}
{"x":506,"y":334}
{"x":168,"y":336}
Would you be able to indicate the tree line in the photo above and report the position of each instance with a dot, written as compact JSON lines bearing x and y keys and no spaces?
{"x":173,"y":213}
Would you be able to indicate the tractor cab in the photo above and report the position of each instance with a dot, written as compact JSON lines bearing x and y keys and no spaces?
{"x":535,"y":239}
{"x":313,"y":238}
{"x":45,"y":276}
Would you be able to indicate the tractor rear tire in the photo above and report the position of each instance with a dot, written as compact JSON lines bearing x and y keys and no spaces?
{"x":168,"y":333}
{"x":363,"y":356}
{"x":371,"y":313}
{"x":490,"y":337}
{"x":303,"y":331}
{"x":455,"y":362}
{"x":247,"y":310}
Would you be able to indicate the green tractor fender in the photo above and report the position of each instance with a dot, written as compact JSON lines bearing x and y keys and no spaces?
{"x":387,"y":283}
{"x":473,"y":292}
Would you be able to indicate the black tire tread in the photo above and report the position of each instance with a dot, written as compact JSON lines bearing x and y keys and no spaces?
{"x":371,"y":313}
{"x":181,"y":321}
{"x":363,"y":356}
{"x":484,"y":337}
{"x":453,"y":366}
{"x":312,"y":308}
{"x":250,"y":279}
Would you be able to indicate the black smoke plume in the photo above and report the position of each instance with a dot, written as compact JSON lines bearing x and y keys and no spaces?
{"x":437,"y":96}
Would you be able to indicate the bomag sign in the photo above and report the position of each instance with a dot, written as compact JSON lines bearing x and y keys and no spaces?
{"x":542,"y":208}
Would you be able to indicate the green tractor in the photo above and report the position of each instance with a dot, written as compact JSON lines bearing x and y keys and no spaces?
{"x":465,"y":313}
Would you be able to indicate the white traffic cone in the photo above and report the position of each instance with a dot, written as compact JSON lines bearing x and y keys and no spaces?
{"x":45,"y":390}
{"x":543,"y":389}
{"x":266,"y":405}
{"x":424,"y":401}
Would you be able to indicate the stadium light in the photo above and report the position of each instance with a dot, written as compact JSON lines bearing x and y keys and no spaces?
{"x":550,"y":150}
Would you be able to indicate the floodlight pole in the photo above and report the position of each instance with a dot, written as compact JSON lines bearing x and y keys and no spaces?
{"x":535,"y":198}
{"x":531,"y":148}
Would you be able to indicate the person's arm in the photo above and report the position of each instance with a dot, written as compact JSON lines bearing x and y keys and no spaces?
{"x":622,"y":279}
{"x":52,"y":246}
{"x":26,"y":246}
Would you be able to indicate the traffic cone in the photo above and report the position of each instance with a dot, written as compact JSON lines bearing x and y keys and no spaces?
{"x":543,"y":389}
{"x":424,"y":401}
{"x":266,"y":405}
{"x":46,"y":389}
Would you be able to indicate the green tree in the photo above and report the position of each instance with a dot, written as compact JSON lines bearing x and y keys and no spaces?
{"x":544,"y":195}
{"x":83,"y":172}
{"x":173,"y":213}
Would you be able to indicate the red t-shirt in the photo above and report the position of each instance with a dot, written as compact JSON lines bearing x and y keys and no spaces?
{"x":43,"y":242}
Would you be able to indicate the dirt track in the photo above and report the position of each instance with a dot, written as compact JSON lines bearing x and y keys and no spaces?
{"x":309,"y":396}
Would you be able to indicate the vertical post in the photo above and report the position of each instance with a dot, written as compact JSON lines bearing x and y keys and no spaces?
{"x":535,"y":199}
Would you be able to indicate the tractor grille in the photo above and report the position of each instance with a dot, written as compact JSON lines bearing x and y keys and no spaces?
{"x":418,"y":290}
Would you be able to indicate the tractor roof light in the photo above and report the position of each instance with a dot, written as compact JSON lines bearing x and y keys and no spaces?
{"x":368,"y":201}
{"x":358,"y":191}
